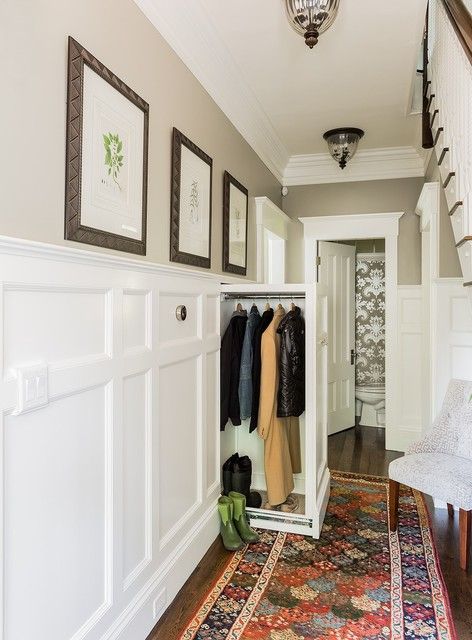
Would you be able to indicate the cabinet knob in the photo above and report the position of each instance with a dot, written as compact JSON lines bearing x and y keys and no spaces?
{"x":181,"y":312}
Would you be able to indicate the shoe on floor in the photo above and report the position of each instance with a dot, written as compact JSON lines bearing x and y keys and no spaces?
{"x":246,"y":532}
{"x":231,"y":538}
{"x":290,"y":505}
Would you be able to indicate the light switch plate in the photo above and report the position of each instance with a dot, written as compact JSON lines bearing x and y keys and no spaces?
{"x":32,"y":388}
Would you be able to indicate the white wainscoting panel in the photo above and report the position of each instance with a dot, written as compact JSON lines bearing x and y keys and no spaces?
{"x":409,"y":372}
{"x":109,"y":490}
{"x":452,"y":354}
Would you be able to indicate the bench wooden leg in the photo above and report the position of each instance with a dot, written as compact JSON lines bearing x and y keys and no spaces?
{"x":450,"y":510}
{"x":465,"y":522}
{"x":393,"y":494}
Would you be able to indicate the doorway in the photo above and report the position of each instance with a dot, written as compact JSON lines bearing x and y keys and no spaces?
{"x":367,"y":227}
{"x":353,"y":274}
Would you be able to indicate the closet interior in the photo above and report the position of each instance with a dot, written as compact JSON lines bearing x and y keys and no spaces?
{"x":308,"y":498}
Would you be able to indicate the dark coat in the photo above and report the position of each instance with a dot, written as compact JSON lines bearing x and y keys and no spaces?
{"x":266,"y":319}
{"x":230,"y":364}
{"x":291,"y":392}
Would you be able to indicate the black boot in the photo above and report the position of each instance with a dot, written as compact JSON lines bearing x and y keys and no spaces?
{"x":227,"y":473}
{"x":241,"y":481}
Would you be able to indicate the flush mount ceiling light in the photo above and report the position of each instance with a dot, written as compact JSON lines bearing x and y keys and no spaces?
{"x":310,"y":18}
{"x":342,"y":143}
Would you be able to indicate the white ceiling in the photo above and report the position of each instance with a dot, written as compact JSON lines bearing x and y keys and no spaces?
{"x":359,"y":74}
{"x":283,"y":96}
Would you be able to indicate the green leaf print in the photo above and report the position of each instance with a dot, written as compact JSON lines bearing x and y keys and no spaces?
{"x":113,"y":157}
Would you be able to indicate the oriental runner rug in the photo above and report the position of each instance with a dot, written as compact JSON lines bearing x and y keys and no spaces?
{"x":357,"y":582}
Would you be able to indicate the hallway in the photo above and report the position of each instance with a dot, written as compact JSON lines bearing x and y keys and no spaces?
{"x":359,"y":450}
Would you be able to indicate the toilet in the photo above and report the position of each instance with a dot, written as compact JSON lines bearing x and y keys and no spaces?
{"x":370,"y":404}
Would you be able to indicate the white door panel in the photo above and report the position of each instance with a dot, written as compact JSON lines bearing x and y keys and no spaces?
{"x":337,"y":273}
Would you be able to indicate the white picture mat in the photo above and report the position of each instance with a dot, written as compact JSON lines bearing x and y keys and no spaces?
{"x":106,"y":205}
{"x":194,"y":221}
{"x":237,"y":226}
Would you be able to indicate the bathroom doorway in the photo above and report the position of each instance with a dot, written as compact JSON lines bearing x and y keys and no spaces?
{"x":353,"y":271}
{"x":379,"y":226}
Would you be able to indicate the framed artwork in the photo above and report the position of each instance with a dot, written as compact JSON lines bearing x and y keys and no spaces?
{"x":235,"y":217}
{"x":190,"y":210}
{"x":106,"y":157}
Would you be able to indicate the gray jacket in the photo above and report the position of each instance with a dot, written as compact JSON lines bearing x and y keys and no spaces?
{"x":245,"y":373}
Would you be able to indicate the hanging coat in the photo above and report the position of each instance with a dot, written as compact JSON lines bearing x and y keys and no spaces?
{"x":291,"y":393}
{"x":230,"y":364}
{"x":281,"y":435}
{"x":245,"y":374}
{"x":266,"y":319}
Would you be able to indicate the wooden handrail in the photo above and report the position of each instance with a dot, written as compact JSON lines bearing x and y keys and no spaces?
{"x":461,"y":20}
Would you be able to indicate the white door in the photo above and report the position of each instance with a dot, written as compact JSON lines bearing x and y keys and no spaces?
{"x":337,"y":273}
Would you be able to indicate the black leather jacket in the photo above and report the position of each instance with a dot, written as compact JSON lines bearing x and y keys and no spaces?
{"x":291,"y":392}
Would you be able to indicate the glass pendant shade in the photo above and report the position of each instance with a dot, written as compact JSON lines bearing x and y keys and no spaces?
{"x":342,"y":143}
{"x":310,"y":18}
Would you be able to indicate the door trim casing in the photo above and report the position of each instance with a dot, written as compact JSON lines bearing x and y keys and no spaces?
{"x":365,"y":227}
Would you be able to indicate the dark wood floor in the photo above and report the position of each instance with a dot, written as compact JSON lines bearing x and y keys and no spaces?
{"x":360,"y":450}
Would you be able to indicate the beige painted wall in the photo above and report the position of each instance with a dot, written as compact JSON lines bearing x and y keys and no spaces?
{"x":449,"y":265}
{"x":33,"y":36}
{"x":377,"y":196}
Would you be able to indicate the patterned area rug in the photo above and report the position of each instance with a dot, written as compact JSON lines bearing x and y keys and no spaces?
{"x":357,"y":582}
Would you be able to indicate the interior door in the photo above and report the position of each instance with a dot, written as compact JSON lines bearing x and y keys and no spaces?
{"x":337,"y":272}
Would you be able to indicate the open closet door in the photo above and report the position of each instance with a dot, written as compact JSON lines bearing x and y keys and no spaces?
{"x":337,"y":272}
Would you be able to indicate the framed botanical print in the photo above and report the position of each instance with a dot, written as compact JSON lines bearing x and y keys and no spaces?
{"x":106,"y":157}
{"x":190,"y":211}
{"x":235,"y":219}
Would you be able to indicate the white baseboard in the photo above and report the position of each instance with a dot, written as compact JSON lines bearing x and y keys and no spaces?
{"x":139,"y":617}
{"x":322,"y":503}
{"x":400,"y":439}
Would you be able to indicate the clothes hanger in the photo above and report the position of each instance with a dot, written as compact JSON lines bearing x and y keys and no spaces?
{"x":267,"y":305}
{"x":292,"y":305}
{"x":239,"y":307}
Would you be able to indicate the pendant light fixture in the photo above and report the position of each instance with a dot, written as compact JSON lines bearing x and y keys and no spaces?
{"x":310,"y":18}
{"x":342,"y":143}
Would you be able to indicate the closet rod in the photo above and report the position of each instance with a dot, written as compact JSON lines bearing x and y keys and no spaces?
{"x":262,"y":296}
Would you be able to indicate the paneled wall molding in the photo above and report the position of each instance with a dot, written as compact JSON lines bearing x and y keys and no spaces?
{"x":410,"y":367}
{"x":270,"y":218}
{"x":111,"y":476}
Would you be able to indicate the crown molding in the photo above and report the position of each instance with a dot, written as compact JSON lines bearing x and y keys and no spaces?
{"x":372,"y":164}
{"x":207,"y":57}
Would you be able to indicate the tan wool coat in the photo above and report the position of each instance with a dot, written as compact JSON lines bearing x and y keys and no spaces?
{"x":281,"y":435}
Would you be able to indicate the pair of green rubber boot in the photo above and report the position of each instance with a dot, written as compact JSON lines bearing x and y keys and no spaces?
{"x":234,"y":526}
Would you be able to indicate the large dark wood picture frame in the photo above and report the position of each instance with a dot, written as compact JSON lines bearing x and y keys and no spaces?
{"x":74,"y":229}
{"x":178,"y":208}
{"x":229,"y":266}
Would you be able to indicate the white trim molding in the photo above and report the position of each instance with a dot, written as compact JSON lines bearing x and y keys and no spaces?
{"x":371,"y":164}
{"x":369,"y":226}
{"x":269,"y":218}
{"x":211,"y":63}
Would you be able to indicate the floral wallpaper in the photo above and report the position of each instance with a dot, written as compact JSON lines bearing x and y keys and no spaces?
{"x":370,"y":318}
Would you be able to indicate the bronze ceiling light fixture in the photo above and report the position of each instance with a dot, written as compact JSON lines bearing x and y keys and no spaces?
{"x":310,"y":18}
{"x":342,"y":143}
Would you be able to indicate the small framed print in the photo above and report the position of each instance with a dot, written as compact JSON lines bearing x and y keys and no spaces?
{"x":190,"y":211}
{"x":235,"y":220}
{"x":106,"y":157}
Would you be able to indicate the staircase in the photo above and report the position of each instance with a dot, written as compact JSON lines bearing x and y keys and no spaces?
{"x":448,"y":103}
